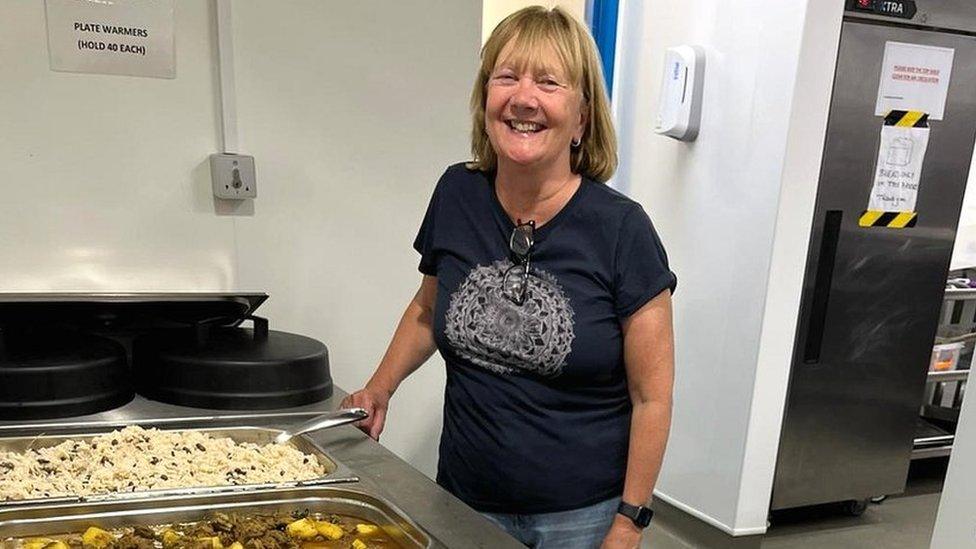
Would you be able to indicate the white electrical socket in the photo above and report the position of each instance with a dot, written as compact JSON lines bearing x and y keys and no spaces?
{"x":233,"y":176}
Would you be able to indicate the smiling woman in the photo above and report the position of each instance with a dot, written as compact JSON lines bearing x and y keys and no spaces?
{"x":548,"y":295}
{"x":556,"y":55}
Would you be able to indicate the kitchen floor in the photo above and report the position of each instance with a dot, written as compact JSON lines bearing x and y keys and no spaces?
{"x":904,"y":521}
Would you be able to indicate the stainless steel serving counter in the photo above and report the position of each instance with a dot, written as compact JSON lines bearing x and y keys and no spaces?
{"x":441,"y":515}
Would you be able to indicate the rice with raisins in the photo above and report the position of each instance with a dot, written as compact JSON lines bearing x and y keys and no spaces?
{"x":136,"y":459}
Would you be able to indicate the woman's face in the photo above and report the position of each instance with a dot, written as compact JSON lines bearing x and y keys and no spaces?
{"x":532,"y":116}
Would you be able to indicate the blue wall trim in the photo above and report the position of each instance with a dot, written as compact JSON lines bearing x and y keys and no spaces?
{"x":603,"y":24}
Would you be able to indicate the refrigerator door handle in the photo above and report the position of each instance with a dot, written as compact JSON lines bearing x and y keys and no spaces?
{"x":821,"y":288}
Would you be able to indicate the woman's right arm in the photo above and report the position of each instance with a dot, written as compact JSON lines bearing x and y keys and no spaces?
{"x":412,"y":345}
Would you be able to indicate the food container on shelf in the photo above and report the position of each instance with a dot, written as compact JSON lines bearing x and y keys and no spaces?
{"x":945,"y":357}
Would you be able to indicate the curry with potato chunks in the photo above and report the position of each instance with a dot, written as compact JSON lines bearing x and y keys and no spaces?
{"x":299,"y":530}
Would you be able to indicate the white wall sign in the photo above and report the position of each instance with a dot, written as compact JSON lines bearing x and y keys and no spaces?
{"x":132,"y":37}
{"x":899,"y":169}
{"x":914,"y":78}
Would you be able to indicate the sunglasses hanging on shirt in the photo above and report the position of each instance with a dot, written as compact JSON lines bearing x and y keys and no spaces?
{"x":516,"y":280}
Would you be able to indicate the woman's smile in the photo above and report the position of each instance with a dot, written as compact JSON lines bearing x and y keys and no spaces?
{"x":525,"y":127}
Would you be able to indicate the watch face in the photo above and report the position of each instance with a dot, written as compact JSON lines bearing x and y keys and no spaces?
{"x":643,"y":517}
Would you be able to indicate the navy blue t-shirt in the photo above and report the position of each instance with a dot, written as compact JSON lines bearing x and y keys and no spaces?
{"x":536,"y":410}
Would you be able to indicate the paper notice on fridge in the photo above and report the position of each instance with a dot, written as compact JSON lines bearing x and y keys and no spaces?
{"x":898,"y":169}
{"x":914,"y":78}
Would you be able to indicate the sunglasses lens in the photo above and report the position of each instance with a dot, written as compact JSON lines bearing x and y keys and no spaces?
{"x":512,"y":285}
{"x":521,"y":241}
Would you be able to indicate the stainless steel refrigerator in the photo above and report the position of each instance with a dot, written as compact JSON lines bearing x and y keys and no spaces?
{"x":874,"y":282}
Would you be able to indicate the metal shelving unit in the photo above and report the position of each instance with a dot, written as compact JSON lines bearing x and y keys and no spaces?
{"x":944,"y":391}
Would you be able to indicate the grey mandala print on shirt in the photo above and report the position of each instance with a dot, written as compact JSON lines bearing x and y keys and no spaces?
{"x":490,"y":331}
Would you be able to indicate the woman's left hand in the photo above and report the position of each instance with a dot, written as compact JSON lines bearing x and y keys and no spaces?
{"x":623,"y":534}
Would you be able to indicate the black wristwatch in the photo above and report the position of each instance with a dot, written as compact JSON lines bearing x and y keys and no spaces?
{"x":639,"y":514}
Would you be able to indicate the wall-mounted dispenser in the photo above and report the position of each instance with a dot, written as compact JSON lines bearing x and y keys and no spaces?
{"x":679,"y":113}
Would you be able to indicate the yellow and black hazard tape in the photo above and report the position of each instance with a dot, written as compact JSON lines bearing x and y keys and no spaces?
{"x":891,"y":220}
{"x":907,"y":119}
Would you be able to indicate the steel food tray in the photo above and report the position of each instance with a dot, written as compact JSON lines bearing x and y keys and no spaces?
{"x":336,"y":472}
{"x":67,"y":518}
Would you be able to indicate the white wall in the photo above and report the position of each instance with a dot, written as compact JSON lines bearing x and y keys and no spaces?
{"x":798,"y":193}
{"x":104,"y":178}
{"x":352,"y":111}
{"x":729,"y":207}
{"x":954,"y":523}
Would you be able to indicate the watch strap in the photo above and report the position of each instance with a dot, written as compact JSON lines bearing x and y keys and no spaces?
{"x":640,"y":515}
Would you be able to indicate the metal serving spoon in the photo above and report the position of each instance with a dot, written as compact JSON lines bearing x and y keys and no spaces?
{"x":324,"y":421}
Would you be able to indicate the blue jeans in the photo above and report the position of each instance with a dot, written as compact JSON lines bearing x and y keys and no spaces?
{"x":582,"y":528}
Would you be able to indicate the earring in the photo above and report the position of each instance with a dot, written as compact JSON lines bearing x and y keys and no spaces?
{"x":576,"y":142}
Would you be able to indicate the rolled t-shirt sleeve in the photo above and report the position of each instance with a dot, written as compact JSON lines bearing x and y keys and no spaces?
{"x":424,"y":243}
{"x":641,"y":268}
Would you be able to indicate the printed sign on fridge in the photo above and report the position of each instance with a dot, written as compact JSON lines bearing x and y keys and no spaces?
{"x":914,"y":77}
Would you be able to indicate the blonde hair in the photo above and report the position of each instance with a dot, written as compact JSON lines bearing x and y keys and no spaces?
{"x":531,"y":31}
